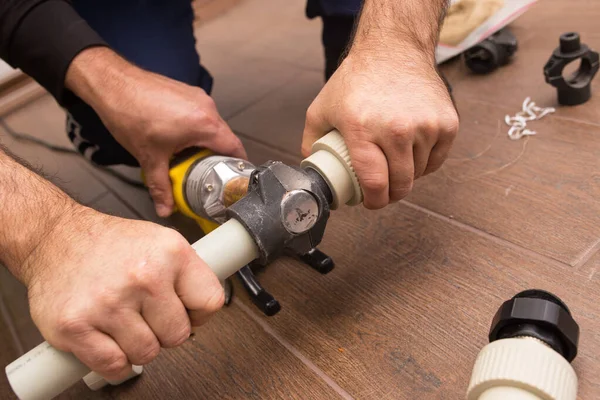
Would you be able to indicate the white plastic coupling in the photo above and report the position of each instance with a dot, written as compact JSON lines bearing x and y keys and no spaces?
{"x":522,"y":368}
{"x":331,"y":159}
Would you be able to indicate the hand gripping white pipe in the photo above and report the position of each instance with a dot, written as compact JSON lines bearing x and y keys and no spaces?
{"x":45,"y":372}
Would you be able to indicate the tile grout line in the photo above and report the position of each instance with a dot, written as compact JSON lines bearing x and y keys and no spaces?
{"x":309,"y":364}
{"x":96,"y":198}
{"x":11,"y":327}
{"x":97,"y":174}
{"x":587,"y":254}
{"x":484,"y":234}
{"x":265,"y":144}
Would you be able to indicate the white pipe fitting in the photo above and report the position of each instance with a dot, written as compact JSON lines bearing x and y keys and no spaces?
{"x":521,"y":369}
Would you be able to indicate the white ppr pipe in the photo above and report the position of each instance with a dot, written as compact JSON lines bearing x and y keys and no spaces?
{"x":227,"y":249}
{"x":45,"y":372}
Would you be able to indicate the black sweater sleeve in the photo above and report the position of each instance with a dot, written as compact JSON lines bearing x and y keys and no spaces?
{"x":41,"y":37}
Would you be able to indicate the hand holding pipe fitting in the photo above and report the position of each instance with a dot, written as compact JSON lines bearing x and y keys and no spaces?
{"x":45,"y":372}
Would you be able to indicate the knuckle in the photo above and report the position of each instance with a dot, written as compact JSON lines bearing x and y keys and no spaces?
{"x":375,"y":183}
{"x":72,"y":325}
{"x":215,"y":300}
{"x":311,"y":114}
{"x":173,"y":243}
{"x":143,"y":276}
{"x":451,"y":125}
{"x":401,"y":190}
{"x":113,"y":364}
{"x":150,"y":352}
{"x":204,"y":119}
{"x":402,"y":131}
{"x":177,"y":336}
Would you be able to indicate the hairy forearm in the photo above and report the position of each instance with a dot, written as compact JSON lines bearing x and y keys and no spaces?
{"x":403,"y":27}
{"x":31,"y":208}
{"x":97,"y":75}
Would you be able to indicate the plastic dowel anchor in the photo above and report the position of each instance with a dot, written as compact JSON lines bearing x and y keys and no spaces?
{"x":577,"y":88}
{"x":533,"y":339}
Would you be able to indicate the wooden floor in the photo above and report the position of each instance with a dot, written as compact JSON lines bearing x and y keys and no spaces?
{"x":409,"y":304}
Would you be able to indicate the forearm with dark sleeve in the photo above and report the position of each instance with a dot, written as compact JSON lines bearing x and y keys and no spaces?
{"x":41,"y":37}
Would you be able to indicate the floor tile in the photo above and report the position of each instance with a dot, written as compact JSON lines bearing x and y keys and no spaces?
{"x":43,"y":119}
{"x":539,"y":192}
{"x":409,"y":305}
{"x":264,"y":51}
{"x":8,"y":348}
{"x":538,"y":32}
{"x":15,"y":298}
{"x":279,"y":118}
{"x":134,"y":202}
{"x":231,"y":357}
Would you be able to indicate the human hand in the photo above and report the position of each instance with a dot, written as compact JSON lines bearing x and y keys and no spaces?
{"x":113,"y":291}
{"x":396,"y":116}
{"x":151,"y":116}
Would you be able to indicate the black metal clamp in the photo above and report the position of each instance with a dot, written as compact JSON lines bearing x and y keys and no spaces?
{"x":574,"y":89}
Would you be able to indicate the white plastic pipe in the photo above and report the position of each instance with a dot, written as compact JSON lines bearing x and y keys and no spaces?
{"x":45,"y":372}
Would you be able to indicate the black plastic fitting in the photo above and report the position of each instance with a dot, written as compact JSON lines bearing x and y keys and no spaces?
{"x":576,"y":88}
{"x":491,"y":53}
{"x":541,"y":315}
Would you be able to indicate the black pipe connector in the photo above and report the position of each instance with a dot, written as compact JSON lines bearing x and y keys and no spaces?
{"x":491,"y":53}
{"x":576,"y":88}
{"x":541,"y":315}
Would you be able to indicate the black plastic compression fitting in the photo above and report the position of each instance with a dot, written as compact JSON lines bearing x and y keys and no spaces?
{"x":576,"y":88}
{"x":541,"y":315}
{"x":495,"y":51}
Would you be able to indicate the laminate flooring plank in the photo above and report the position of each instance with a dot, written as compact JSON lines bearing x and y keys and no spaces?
{"x":539,"y":192}
{"x":409,"y":305}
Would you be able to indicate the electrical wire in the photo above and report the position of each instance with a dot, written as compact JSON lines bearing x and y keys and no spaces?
{"x":25,"y":137}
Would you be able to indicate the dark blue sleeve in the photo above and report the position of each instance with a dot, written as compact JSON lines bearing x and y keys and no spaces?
{"x":331,"y":8}
{"x":42,"y":38}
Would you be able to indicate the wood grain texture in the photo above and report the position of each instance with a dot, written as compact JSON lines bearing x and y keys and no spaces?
{"x":44,"y":119}
{"x":279,"y":118}
{"x":540,"y":193}
{"x":410,"y":302}
{"x":16,"y":303}
{"x":229,"y":358}
{"x":8,"y":348}
{"x":537,"y":32}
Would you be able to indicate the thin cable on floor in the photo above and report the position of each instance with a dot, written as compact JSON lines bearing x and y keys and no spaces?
{"x":20,"y":136}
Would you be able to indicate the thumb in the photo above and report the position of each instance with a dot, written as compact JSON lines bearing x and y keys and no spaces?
{"x":159,"y":185}
{"x":315,"y":127}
